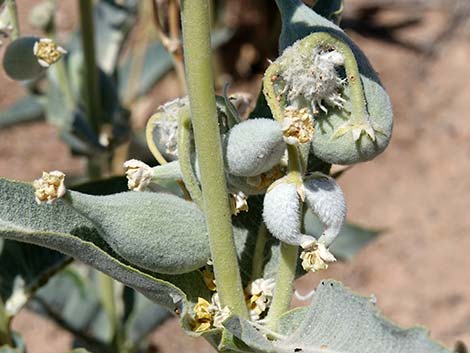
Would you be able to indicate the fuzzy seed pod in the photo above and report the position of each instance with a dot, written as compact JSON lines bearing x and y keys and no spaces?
{"x":253,"y":147}
{"x":156,"y":231}
{"x":281,"y":213}
{"x":282,"y":209}
{"x":326,"y":200}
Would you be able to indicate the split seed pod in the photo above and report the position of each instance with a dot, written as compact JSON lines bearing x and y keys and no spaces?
{"x":283,"y":208}
{"x":321,"y":69}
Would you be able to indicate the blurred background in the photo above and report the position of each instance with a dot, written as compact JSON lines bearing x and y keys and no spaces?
{"x":417,"y":193}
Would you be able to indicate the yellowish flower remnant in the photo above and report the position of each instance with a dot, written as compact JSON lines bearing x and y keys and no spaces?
{"x":209,"y":279}
{"x":47,"y":52}
{"x":49,"y":187}
{"x":238,"y":203}
{"x":209,"y":315}
{"x":139,"y":175}
{"x":263,"y":180}
{"x":297,"y":126}
{"x":258,"y":296}
{"x":316,"y":257}
{"x":202,"y":316}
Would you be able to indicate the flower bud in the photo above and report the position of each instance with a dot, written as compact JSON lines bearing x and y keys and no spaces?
{"x":253,"y":147}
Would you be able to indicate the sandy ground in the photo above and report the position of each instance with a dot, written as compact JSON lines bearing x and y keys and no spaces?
{"x":418,"y":191}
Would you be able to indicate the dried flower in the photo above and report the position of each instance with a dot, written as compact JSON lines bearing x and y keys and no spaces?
{"x":139,"y":175}
{"x":209,"y":315}
{"x":219,"y":313}
{"x":263,"y":180}
{"x":238,"y":203}
{"x":258,"y":296}
{"x":202,"y":316}
{"x":297,"y":126}
{"x":315,"y":257}
{"x":49,"y":187}
{"x":47,"y":52}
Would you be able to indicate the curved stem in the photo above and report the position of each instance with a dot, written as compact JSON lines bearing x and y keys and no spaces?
{"x":150,"y":142}
{"x":184,"y":158}
{"x":200,"y":82}
{"x":13,"y":14}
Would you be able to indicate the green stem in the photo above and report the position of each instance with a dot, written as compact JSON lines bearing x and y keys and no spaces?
{"x":184,"y":158}
{"x":13,"y":14}
{"x":258,"y":256}
{"x":91,"y":89}
{"x":288,"y":260}
{"x":200,"y":82}
{"x":5,"y":333}
{"x":107,"y":293}
{"x":64,"y":83}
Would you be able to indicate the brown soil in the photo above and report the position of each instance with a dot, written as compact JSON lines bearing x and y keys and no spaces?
{"x":418,"y":191}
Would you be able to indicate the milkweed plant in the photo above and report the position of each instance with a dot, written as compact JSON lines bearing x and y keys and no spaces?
{"x":216,"y":232}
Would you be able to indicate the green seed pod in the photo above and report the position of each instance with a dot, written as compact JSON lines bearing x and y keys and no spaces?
{"x":156,"y":231}
{"x":253,"y":147}
{"x":322,"y":70}
{"x":19,"y":61}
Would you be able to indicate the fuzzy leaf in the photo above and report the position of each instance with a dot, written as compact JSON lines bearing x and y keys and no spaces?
{"x":59,"y":228}
{"x":339,"y":321}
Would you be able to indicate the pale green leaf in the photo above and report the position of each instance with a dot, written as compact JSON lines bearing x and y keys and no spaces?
{"x":338,"y":321}
{"x":59,"y":228}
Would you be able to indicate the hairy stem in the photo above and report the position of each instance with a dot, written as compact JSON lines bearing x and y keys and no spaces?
{"x":258,"y":256}
{"x":288,"y":262}
{"x":13,"y":14}
{"x":200,"y":82}
{"x":91,"y":89}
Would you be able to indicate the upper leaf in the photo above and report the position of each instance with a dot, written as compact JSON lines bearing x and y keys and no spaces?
{"x":338,"y":321}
